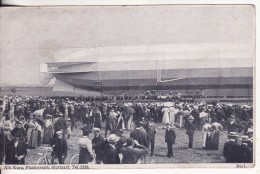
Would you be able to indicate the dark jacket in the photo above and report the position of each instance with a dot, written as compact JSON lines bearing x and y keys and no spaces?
{"x":232,"y":127}
{"x":97,"y":142}
{"x":231,"y":151}
{"x":110,"y":155}
{"x":60,"y":125}
{"x":20,"y":131}
{"x":245,"y":154}
{"x":60,"y":148}
{"x":12,"y":152}
{"x":151,"y":131}
{"x":190,"y":128}
{"x":131,"y":155}
{"x":140,"y":136}
{"x":170,"y":136}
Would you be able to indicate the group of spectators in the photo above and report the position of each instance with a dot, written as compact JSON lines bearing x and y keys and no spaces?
{"x":29,"y":122}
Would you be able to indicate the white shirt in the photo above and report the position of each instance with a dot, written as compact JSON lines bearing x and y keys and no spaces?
{"x":85,"y":142}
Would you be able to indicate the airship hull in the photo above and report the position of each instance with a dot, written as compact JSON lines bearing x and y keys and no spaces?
{"x":225,"y":71}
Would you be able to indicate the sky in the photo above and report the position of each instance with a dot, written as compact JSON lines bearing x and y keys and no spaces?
{"x":31,"y":36}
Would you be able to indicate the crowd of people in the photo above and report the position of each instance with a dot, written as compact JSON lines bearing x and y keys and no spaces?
{"x":30,"y":121}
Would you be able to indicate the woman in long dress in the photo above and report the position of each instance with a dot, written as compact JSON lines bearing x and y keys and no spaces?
{"x":85,"y":146}
{"x":216,"y":128}
{"x":48,"y":130}
{"x":206,"y":135}
{"x":172,"y":115}
{"x":35,"y":139}
{"x":166,"y":115}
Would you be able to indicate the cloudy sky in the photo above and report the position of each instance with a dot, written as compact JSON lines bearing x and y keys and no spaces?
{"x":30,"y":36}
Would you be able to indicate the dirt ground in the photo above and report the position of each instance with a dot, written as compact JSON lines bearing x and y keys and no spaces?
{"x":181,"y":152}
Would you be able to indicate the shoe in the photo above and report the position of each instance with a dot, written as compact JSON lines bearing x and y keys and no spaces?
{"x":189,"y":149}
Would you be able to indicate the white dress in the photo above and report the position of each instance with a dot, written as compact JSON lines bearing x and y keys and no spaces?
{"x":166,"y":115}
{"x":172,"y":115}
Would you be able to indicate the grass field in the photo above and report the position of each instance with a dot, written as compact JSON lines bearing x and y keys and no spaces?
{"x":181,"y":153}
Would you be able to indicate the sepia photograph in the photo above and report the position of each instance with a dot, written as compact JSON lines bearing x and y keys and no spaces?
{"x":149,"y":85}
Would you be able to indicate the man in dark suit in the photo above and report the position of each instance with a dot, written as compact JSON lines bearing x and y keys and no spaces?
{"x":110,"y":151}
{"x":60,"y":147}
{"x":15,"y":151}
{"x":190,"y":130}
{"x":151,"y":131}
{"x":245,"y":153}
{"x":232,"y":125}
{"x":110,"y":121}
{"x":60,"y":124}
{"x":97,"y":142}
{"x":139,"y":134}
{"x":231,"y":148}
{"x":132,"y":152}
{"x":169,"y":139}
{"x":19,"y":130}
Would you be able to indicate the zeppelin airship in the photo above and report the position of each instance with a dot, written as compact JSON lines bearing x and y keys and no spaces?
{"x":216,"y":69}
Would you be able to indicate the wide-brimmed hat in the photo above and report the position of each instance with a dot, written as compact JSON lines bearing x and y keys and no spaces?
{"x":60,"y":132}
{"x":249,"y":130}
{"x":49,"y":116}
{"x":232,"y":116}
{"x":244,"y":138}
{"x":112,"y":138}
{"x":96,"y":129}
{"x":39,"y":120}
{"x":18,"y":122}
{"x":190,"y":117}
{"x":232,"y":135}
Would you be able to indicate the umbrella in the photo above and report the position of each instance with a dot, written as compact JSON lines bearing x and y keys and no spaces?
{"x":168,"y":104}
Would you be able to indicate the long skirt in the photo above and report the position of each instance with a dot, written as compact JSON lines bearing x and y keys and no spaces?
{"x":208,"y":142}
{"x":34,"y":139}
{"x":166,"y":118}
{"x":47,"y":136}
{"x":84,"y":156}
{"x":172,"y":117}
{"x":180,"y":120}
{"x":215,"y":140}
{"x":129,"y":124}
